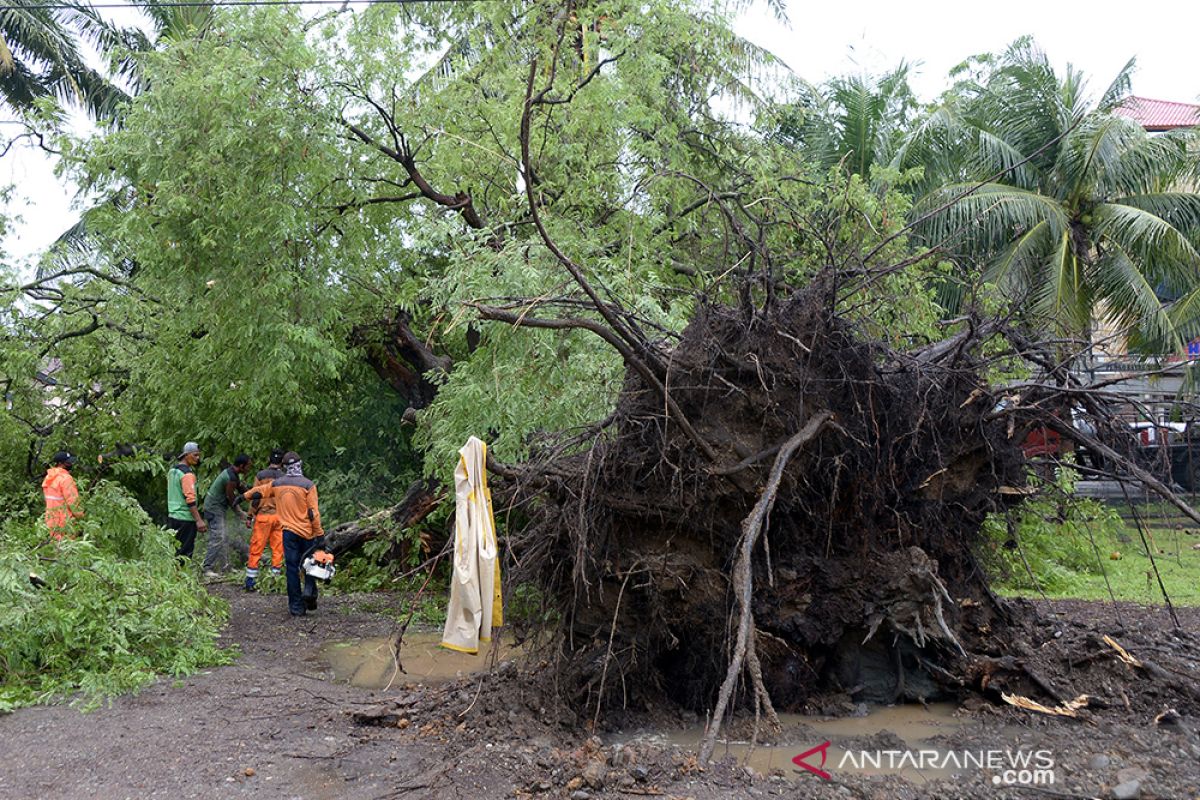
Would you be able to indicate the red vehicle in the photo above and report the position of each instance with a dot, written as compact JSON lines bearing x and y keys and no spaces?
{"x":1041,"y":441}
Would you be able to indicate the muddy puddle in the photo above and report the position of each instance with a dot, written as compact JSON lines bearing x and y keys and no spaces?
{"x":870,"y":744}
{"x":873,"y":744}
{"x":372,"y":663}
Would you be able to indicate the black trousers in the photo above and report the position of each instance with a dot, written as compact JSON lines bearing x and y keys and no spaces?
{"x":295,"y":548}
{"x":185,"y":534}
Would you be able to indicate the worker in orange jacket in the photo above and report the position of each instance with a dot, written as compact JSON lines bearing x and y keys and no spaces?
{"x":62,"y":496}
{"x":299,"y":513}
{"x":265,"y":523}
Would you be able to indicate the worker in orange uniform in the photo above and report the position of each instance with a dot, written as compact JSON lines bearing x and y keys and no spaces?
{"x":265,"y":522}
{"x":62,"y":496}
{"x":296,"y":504}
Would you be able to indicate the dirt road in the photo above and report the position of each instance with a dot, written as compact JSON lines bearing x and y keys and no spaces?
{"x":275,"y":725}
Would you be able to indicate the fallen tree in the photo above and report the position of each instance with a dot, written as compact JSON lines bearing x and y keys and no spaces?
{"x":784,"y":506}
{"x":829,"y":546}
{"x":845,"y":498}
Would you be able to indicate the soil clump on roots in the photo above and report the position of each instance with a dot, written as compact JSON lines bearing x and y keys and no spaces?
{"x":868,"y":471}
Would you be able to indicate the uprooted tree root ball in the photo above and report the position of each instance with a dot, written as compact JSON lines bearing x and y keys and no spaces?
{"x":866,"y":579}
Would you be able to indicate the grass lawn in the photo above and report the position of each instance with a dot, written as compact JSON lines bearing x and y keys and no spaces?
{"x":1132,"y":576}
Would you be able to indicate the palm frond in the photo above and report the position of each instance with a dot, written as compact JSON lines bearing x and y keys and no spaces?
{"x":1181,"y":210}
{"x":1166,"y":253}
{"x":934,"y":143}
{"x":1119,"y":89}
{"x":1063,"y":294}
{"x":45,"y":59}
{"x":988,"y":220}
{"x":1184,"y":315}
{"x":993,"y":155}
{"x":1017,"y":265}
{"x":1130,"y":301}
{"x":1093,"y":152}
{"x":1148,"y":164}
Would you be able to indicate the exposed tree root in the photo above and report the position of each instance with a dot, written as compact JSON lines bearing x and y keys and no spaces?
{"x":864,"y":473}
{"x":744,"y":648}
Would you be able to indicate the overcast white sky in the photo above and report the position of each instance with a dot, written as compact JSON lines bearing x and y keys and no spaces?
{"x":832,"y":38}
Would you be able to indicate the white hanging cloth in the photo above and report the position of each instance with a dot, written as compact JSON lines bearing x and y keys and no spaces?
{"x":475,"y":601}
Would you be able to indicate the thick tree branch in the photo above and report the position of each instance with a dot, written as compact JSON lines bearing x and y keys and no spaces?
{"x":525,"y":321}
{"x":402,"y":155}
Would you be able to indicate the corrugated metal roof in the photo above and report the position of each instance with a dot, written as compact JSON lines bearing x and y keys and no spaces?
{"x":1160,"y":115}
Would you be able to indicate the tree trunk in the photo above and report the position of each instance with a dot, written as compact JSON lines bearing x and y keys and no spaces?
{"x":401,"y":358}
{"x":422,"y":498}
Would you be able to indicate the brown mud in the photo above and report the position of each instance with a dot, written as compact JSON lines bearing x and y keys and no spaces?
{"x":277,"y":724}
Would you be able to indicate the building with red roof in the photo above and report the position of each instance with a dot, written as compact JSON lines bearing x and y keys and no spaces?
{"x":1160,"y":115}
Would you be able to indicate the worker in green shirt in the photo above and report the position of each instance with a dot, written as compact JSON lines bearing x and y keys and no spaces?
{"x":183,"y":515}
{"x":223,"y":495}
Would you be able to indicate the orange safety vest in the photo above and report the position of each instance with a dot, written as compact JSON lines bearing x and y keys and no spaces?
{"x":62,"y":497}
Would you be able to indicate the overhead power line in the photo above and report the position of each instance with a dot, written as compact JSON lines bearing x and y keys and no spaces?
{"x":218,"y":4}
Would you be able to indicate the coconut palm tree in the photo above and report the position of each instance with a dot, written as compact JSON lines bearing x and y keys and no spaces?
{"x":40,"y":56}
{"x":1081,"y":214}
{"x":41,"y":52}
{"x":856,"y":120}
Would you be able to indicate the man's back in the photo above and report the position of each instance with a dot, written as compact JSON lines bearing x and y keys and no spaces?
{"x":296,"y":504}
{"x":61,"y":495}
{"x":266,"y":477}
{"x":181,"y":492}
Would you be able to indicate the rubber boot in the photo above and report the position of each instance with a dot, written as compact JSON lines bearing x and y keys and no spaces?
{"x":249,"y":585}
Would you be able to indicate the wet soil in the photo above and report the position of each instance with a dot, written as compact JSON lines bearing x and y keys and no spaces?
{"x":278,"y":724}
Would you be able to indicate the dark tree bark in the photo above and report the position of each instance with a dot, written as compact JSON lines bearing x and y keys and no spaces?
{"x":401,"y":358}
{"x":422,"y":498}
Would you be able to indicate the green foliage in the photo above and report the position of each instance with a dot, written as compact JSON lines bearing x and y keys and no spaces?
{"x":116,"y":612}
{"x":1051,"y":536}
{"x":543,"y":381}
{"x":232,"y":285}
{"x":385,"y":562}
{"x":256,"y":252}
{"x":1082,"y":213}
{"x":295,"y":205}
{"x":854,"y":122}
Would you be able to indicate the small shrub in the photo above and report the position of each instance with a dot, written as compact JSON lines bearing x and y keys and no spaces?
{"x":116,"y":610}
{"x":1054,"y":532}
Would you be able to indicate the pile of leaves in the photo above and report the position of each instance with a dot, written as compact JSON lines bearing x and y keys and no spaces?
{"x":112,"y":608}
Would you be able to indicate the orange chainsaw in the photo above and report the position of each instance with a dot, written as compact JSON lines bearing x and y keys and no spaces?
{"x":319,"y":565}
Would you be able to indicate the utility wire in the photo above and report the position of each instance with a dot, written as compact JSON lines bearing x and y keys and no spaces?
{"x":213,"y":4}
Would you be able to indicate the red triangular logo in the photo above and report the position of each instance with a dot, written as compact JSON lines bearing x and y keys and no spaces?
{"x":823,"y":750}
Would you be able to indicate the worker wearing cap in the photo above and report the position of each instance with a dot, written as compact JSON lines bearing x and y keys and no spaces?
{"x":296,"y":504}
{"x":223,"y":495}
{"x":62,"y":496}
{"x":183,"y":515}
{"x":267,"y":527}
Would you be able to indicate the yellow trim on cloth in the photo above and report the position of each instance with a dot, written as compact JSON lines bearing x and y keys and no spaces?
{"x":476,"y":603}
